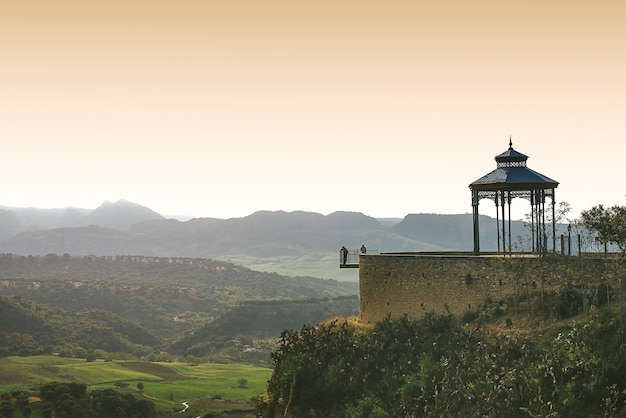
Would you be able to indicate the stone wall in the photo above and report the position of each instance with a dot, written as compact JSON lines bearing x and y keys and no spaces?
{"x":413,"y":283}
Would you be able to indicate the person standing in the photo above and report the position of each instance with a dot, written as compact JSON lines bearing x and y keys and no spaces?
{"x":344,"y":255}
{"x":363,"y":249}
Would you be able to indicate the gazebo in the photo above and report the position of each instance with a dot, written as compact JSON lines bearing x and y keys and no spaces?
{"x":511,"y":179}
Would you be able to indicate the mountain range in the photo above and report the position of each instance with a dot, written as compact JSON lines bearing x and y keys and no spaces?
{"x":263,"y":238}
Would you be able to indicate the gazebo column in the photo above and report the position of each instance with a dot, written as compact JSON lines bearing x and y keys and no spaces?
{"x":553,"y":224}
{"x":509,"y":203}
{"x":537,"y":228}
{"x":544,"y":238}
{"x":497,"y":202}
{"x":503,"y":200}
{"x":532,"y":222}
{"x":475,"y":200}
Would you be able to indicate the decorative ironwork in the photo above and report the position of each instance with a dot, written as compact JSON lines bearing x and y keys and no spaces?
{"x":512,"y":194}
{"x":511,"y":164}
{"x":513,"y":179}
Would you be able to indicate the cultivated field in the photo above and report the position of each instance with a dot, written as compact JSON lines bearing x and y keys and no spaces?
{"x":204,"y":386}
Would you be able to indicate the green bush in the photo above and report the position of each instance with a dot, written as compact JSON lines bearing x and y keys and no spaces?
{"x":439,"y":367}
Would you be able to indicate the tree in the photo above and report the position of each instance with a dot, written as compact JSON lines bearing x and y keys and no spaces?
{"x":27,"y":411}
{"x":140,"y":386}
{"x":70,"y":407}
{"x":6,"y":408}
{"x":242,"y":383}
{"x":523,"y":243}
{"x":560,"y":213}
{"x":368,"y":407}
{"x":609,"y":225}
{"x":313,"y":367}
{"x":619,"y":227}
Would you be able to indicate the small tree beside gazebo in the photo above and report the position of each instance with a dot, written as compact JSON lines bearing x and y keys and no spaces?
{"x":512,"y":178}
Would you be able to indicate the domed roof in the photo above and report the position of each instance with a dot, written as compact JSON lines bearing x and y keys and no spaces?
{"x":511,"y":155}
{"x":513,"y":174}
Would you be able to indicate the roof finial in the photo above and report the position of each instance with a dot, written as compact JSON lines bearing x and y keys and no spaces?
{"x":510,"y":142}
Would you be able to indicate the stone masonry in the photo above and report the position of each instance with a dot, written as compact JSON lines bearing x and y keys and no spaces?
{"x":414,"y":283}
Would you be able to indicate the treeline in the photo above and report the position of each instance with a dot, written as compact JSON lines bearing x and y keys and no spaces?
{"x":72,"y":399}
{"x":245,"y":333}
{"x":29,"y":328}
{"x":438,"y":366}
{"x":253,"y":322}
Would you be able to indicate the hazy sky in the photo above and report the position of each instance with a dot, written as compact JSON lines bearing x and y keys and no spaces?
{"x":222,"y":108}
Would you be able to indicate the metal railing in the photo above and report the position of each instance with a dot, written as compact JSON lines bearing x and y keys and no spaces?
{"x":349,"y":257}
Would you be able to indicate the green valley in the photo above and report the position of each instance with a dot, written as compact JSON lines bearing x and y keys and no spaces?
{"x":204,"y":387}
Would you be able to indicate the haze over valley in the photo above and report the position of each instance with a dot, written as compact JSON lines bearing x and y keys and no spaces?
{"x":291,"y":243}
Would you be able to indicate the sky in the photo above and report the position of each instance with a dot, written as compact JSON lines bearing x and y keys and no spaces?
{"x":223,"y":108}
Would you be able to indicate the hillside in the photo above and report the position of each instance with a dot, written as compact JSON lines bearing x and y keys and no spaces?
{"x":37,"y":328}
{"x":140,"y":304}
{"x":260,"y":320}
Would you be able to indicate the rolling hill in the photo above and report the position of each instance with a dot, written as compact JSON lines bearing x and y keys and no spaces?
{"x":139,"y":305}
{"x":291,"y":243}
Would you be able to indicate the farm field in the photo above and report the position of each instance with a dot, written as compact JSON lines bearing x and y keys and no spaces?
{"x":204,"y":387}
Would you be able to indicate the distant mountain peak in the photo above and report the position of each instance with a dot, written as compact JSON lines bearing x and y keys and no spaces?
{"x":119,"y":202}
{"x":121,"y":214}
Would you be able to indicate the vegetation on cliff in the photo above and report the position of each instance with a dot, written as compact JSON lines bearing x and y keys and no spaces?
{"x":441,"y":366}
